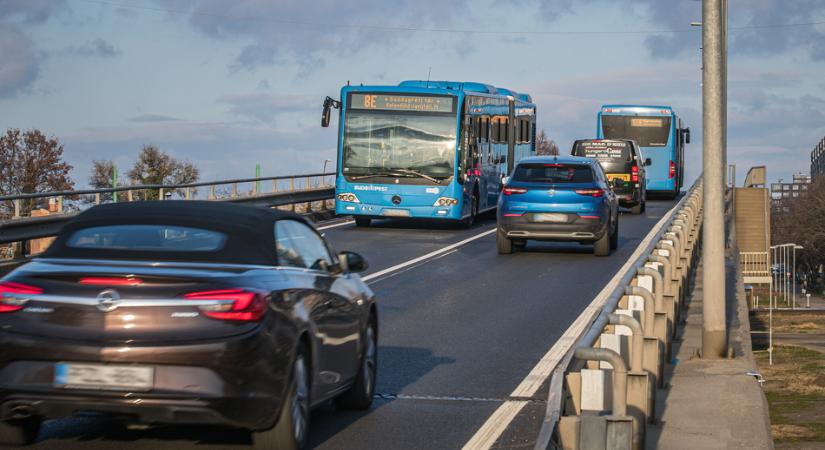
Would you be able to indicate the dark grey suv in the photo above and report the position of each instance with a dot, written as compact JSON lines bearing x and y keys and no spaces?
{"x":624,"y":164}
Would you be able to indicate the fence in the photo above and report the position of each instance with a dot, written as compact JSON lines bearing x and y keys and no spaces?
{"x":603,"y":386}
{"x":755,"y":267}
{"x":281,"y":191}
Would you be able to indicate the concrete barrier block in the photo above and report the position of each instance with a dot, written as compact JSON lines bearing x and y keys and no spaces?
{"x":619,"y":433}
{"x":573,"y":388}
{"x":597,"y":390}
{"x":569,"y":429}
{"x":593,"y":433}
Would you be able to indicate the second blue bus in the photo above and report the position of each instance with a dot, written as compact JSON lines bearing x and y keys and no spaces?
{"x":428,"y":149}
{"x":660,"y":134}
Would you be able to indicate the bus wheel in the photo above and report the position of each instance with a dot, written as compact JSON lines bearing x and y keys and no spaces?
{"x":469,"y":221}
{"x":362,"y":221}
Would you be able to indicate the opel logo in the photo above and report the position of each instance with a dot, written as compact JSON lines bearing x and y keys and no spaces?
{"x":396,"y":200}
{"x":551,"y":192}
{"x":108,"y":300}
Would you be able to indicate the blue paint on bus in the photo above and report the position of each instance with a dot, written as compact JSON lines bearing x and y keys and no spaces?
{"x":661,"y":136}
{"x":429,"y":149}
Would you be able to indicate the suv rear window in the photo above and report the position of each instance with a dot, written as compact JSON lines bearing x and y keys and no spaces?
{"x":553,"y":173}
{"x":603,"y":150}
{"x":162,"y":238}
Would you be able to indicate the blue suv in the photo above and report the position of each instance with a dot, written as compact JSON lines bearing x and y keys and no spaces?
{"x":558,"y":198}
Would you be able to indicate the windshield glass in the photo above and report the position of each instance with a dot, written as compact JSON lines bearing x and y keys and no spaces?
{"x":161,"y":238}
{"x":553,"y":173}
{"x":375,"y":143}
{"x":603,"y":150}
{"x":646,"y":131}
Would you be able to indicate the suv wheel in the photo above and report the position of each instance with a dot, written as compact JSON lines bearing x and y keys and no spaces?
{"x":503,"y":243}
{"x":19,"y":432}
{"x":362,"y":221}
{"x":359,"y":396}
{"x":290,"y":432}
{"x":602,"y":246}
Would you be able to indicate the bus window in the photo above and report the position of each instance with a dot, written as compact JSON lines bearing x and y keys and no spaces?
{"x":647,"y":131}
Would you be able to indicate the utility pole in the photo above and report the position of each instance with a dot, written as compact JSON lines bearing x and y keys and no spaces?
{"x":714,"y":334}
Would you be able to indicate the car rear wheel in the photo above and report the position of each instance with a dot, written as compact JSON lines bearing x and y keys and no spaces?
{"x":519,"y":243}
{"x":290,"y":432}
{"x":504,"y":244}
{"x":602,"y":246}
{"x":644,"y":206}
{"x":362,"y":221}
{"x":359,"y":396}
{"x":614,"y":238}
{"x":19,"y":432}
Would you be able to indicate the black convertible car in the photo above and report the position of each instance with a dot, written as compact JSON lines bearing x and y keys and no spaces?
{"x":185,"y":312}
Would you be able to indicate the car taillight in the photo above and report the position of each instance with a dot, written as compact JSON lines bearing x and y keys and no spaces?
{"x":672,"y":170}
{"x":240,"y":305}
{"x":634,"y":174}
{"x":12,"y":295}
{"x":513,"y":190}
{"x":590,"y":192}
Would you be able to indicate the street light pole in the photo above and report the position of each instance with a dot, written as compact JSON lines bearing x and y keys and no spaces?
{"x":714,"y":334}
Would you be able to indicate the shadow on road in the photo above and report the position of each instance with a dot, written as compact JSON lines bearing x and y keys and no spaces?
{"x":398,"y":368}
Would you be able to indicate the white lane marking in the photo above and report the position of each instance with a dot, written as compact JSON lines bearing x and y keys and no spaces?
{"x":427,"y":256}
{"x":495,"y":425}
{"x":443,"y":255}
{"x":340,"y":224}
{"x":486,"y":436}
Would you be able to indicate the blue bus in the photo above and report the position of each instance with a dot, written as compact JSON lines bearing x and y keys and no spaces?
{"x":427,"y":149}
{"x":661,"y":136}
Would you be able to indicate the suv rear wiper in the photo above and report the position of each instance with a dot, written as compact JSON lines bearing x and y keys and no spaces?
{"x":398,"y":173}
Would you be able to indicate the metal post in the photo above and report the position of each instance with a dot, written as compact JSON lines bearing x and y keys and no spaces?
{"x":60,"y":203}
{"x":714,"y":334}
{"x":793,"y":280}
{"x":114,"y":183}
{"x":16,"y":208}
{"x":619,"y":374}
{"x":637,"y":338}
{"x":97,"y":198}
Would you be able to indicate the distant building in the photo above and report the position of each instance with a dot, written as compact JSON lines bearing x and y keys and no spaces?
{"x":782,"y":193}
{"x":818,"y":160}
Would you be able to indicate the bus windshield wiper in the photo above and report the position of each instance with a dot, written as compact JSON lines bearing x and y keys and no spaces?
{"x":398,"y":173}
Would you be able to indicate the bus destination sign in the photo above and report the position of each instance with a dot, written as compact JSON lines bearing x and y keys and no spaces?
{"x":395,"y":102}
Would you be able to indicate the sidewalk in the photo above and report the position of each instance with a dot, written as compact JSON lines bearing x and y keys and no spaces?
{"x":712,"y":404}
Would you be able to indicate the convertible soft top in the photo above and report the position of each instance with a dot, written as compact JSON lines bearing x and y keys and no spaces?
{"x":249,"y":230}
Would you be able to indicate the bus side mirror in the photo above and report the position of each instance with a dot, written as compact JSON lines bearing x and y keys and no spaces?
{"x":687,"y":135}
{"x":325,"y":116}
{"x":648,"y":162}
{"x":329,"y":103}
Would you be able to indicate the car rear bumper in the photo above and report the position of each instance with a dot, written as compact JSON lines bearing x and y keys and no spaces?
{"x":629,"y":197}
{"x":580,"y":230}
{"x":398,"y":212}
{"x":237,"y":382}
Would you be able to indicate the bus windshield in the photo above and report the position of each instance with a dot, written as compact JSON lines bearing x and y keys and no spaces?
{"x":381,"y":143}
{"x":649,"y":131}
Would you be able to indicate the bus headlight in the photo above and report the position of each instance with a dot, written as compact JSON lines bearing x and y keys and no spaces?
{"x":348,"y":197}
{"x":445,"y":201}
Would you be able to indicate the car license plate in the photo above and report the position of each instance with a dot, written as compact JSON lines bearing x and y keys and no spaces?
{"x":396,"y":213}
{"x":621,"y":176}
{"x":103,"y":377}
{"x":550,"y":217}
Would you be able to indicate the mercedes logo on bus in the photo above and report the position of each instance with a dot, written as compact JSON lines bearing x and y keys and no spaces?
{"x":396,"y":200}
{"x":108,"y":300}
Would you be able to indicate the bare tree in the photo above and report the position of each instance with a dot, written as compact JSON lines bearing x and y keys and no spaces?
{"x":545,"y":145}
{"x":803,"y":225}
{"x":155,"y":166}
{"x":31,"y":162}
{"x":101,"y":176}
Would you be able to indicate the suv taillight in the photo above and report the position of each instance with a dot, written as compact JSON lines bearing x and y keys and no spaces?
{"x":672,"y":173}
{"x":513,"y":190}
{"x":634,"y":174}
{"x":590,"y":192}
{"x":245,"y":306}
{"x":12,"y":295}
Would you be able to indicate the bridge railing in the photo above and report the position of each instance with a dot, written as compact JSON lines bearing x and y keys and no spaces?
{"x":296,"y":192}
{"x":602,"y":389}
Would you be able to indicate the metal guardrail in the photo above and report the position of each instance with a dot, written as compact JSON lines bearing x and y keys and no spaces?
{"x":20,"y":229}
{"x":657,"y":271}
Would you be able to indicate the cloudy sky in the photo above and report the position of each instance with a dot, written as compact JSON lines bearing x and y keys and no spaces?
{"x":228,"y":84}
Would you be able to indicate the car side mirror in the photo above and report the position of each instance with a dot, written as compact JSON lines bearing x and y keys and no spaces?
{"x":352,"y":262}
{"x":648,"y":162}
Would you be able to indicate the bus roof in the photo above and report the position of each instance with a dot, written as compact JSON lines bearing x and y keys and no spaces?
{"x":459,"y":86}
{"x":661,"y":109}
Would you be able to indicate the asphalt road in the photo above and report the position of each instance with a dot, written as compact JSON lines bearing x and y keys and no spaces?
{"x":458,"y":332}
